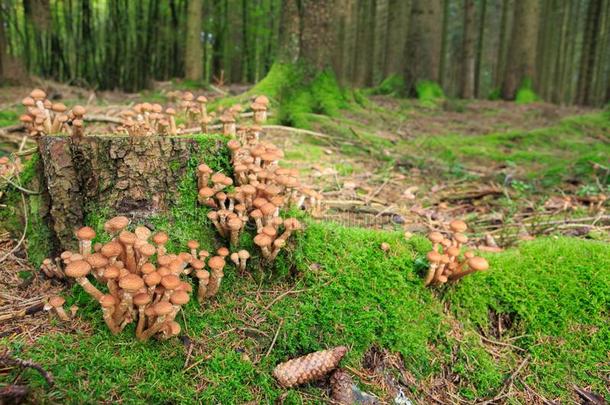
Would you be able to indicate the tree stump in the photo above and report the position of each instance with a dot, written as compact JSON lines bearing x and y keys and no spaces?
{"x":132,"y":176}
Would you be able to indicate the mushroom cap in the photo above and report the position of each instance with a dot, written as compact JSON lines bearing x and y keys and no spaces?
{"x":112,"y":249}
{"x":458,"y":226}
{"x":28,"y":102}
{"x":131,"y":282}
{"x":256,"y":214}
{"x":292,"y":224}
{"x":56,"y":301}
{"x":478,"y":263}
{"x":262,"y":240}
{"x":192,"y":244}
{"x":97,"y":260}
{"x":112,"y":272}
{"x":59,"y":107}
{"x":268,"y":209}
{"x":170,"y":111}
{"x":197,"y":264}
{"x":179,"y":298}
{"x":203,"y":168}
{"x":107,"y":301}
{"x":469,"y":254}
{"x":200,"y":274}
{"x":85,"y":233}
{"x":38,"y":94}
{"x":216,"y":263}
{"x":434,"y":257}
{"x":222,"y":251}
{"x":147,"y":268}
{"x":116,"y":224}
{"x":147,"y":250}
{"x":243,"y":254}
{"x":262,"y":100}
{"x":170,"y":282}
{"x":172,"y":328}
{"x":127,"y":238}
{"x":142,"y":232}
{"x":453,"y":251}
{"x":141,"y":299}
{"x":235,"y":224}
{"x":25,"y":118}
{"x":279,"y":243}
{"x":460,"y":238}
{"x":153,"y":278}
{"x":79,"y":110}
{"x":78,"y":269}
{"x":202,"y":99}
{"x":184,"y":286}
{"x":269,"y":231}
{"x":206,"y":192}
{"x":163,"y":271}
{"x":162,"y":308}
{"x":234,"y":144}
{"x":435,"y":237}
{"x":165,"y":260}
{"x":160,"y":238}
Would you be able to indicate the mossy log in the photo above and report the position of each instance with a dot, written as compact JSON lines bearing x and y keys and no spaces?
{"x":134,"y":176}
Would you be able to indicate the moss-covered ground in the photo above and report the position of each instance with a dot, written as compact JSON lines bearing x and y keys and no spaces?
{"x":343,"y":289}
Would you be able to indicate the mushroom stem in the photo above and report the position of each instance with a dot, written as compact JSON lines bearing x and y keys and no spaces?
{"x":148,"y":333}
{"x":109,"y":320}
{"x":61,"y":313}
{"x":141,"y":321}
{"x":90,"y":288}
{"x":431,"y":273}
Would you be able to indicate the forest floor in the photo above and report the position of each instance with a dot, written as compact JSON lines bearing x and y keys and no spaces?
{"x":521,"y":175}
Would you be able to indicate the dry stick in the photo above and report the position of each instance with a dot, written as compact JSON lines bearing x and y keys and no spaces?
{"x":279,"y":297}
{"x":496,"y":342}
{"x":277,"y":332}
{"x":25,"y":228}
{"x":18,"y":187}
{"x":14,"y":361}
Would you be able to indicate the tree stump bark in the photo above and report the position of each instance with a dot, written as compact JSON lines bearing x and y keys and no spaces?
{"x":132,"y":176}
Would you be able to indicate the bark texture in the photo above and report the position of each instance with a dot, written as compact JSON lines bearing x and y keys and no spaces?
{"x":468,"y":49}
{"x":193,"y":60}
{"x":138,"y":176}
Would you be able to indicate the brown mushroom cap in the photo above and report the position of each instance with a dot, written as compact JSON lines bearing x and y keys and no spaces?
{"x":162,"y":308}
{"x":160,"y":238}
{"x":268,"y":209}
{"x":59,"y":107}
{"x":206,"y":192}
{"x":97,"y":260}
{"x":116,"y":224}
{"x":235,"y":224}
{"x":141,"y":299}
{"x":434,"y":257}
{"x":170,"y":282}
{"x":147,"y":268}
{"x":198,"y":264}
{"x":216,"y":263}
{"x":147,"y":250}
{"x":127,"y":238}
{"x":478,"y":263}
{"x":435,"y":237}
{"x":172,"y":328}
{"x":38,"y":94}
{"x":153,"y":278}
{"x":292,"y":224}
{"x":469,"y":254}
{"x":131,"y":282}
{"x":85,"y":233}
{"x":79,"y":110}
{"x":56,"y":301}
{"x":78,"y":269}
{"x":262,"y":100}
{"x":107,"y":301}
{"x":192,"y":244}
{"x":460,"y":238}
{"x":453,"y":251}
{"x":458,"y":226}
{"x":112,"y":272}
{"x":243,"y":254}
{"x":262,"y":240}
{"x":112,"y":249}
{"x":179,"y":298}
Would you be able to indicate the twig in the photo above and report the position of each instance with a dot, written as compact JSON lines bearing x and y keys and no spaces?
{"x":18,"y":187}
{"x":279,"y":297}
{"x":297,"y":130}
{"x":508,"y":382}
{"x":14,"y":361}
{"x":277,"y":332}
{"x":495,"y":342}
{"x":25,"y":229}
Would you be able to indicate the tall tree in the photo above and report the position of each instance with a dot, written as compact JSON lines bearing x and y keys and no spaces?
{"x":480,"y":47}
{"x":589,"y":52}
{"x":520,"y":64}
{"x":398,"y":25}
{"x":502,"y":44}
{"x":381,"y":29}
{"x":444,"y":44}
{"x":423,"y":46}
{"x":193,"y":58}
{"x":468,"y":50}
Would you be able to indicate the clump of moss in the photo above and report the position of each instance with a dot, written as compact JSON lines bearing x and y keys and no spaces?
{"x":526,"y":94}
{"x":429,"y":93}
{"x":392,"y":85}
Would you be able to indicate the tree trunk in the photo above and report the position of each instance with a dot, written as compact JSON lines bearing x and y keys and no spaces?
{"x":193,"y":58}
{"x":381,"y":28}
{"x":589,"y":52}
{"x":135,"y":175}
{"x":398,"y":26}
{"x":480,"y":47}
{"x":468,"y":49}
{"x":290,"y":32}
{"x":444,"y":44}
{"x":502,"y":45}
{"x":423,"y":46}
{"x":522,"y":50}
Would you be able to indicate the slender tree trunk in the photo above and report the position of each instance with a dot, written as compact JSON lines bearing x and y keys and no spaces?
{"x":193,"y":59}
{"x":522,"y":50}
{"x":3,"y":53}
{"x":398,"y":24}
{"x":480,"y":47}
{"x":381,"y":28}
{"x":423,"y":44}
{"x":589,"y":52}
{"x":503,"y":44}
{"x":468,"y":50}
{"x":444,"y":42}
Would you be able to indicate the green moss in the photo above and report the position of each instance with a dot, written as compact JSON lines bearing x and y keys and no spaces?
{"x":556,"y":294}
{"x":391,"y":85}
{"x":429,"y":93}
{"x":526,"y":94}
{"x":8,"y":117}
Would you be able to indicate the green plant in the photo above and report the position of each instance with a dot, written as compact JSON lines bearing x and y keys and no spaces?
{"x":429,"y":93}
{"x":526,"y":94}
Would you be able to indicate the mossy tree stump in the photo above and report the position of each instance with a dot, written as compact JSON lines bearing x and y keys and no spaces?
{"x":133,"y":176}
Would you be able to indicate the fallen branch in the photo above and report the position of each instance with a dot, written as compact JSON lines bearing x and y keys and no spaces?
{"x":277,"y":332}
{"x":8,"y":361}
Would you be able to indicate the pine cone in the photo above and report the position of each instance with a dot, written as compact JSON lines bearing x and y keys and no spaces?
{"x":309,"y":367}
{"x":341,"y":385}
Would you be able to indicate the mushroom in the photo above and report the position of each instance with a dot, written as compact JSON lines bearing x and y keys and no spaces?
{"x":78,"y":270}
{"x":177,"y":299}
{"x":204,"y":278}
{"x":290,"y":225}
{"x":458,"y":226}
{"x":234,"y":225}
{"x":263,"y":241}
{"x":108,"y":303}
{"x":57,"y":302}
{"x":161,"y":310}
{"x":193,"y":245}
{"x":85,"y":235}
{"x":434,"y":258}
{"x":385,"y":247}
{"x":128,"y":239}
{"x":160,"y":239}
{"x":278,"y":244}
{"x":216,"y":264}
{"x":141,"y":300}
{"x":130,"y":284}
{"x":169,"y":283}
{"x":244,"y":255}
{"x":475,"y":264}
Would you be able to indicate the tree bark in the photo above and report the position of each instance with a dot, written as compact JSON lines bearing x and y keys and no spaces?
{"x":290,"y":32}
{"x":444,"y":44}
{"x":193,"y":59}
{"x":522,"y":50}
{"x":138,"y":176}
{"x":589,"y":52}
{"x":480,"y":47}
{"x":381,"y":29}
{"x":398,"y":26}
{"x":502,"y":45}
{"x":468,"y":50}
{"x":423,"y":42}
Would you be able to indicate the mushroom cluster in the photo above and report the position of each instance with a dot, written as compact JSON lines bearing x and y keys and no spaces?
{"x":142,"y":280}
{"x":44,"y":117}
{"x":446,"y":261}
